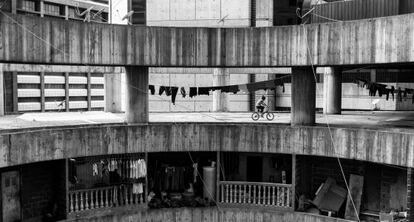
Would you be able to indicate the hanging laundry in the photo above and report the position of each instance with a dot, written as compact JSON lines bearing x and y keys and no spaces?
{"x":204,"y":91}
{"x":227,"y":89}
{"x":193,"y":92}
{"x":253,"y":87}
{"x":399,"y":94}
{"x":152,"y":89}
{"x":161,"y":90}
{"x":174,"y":91}
{"x":243,"y":88}
{"x":94,"y":169}
{"x":183,"y":93}
{"x":142,"y":168}
{"x":195,"y":172}
{"x":279,"y":82}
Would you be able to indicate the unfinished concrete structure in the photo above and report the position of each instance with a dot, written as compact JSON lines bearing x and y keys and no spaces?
{"x":298,"y":149}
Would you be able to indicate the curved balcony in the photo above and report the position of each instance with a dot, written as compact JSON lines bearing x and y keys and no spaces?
{"x":380,"y":145}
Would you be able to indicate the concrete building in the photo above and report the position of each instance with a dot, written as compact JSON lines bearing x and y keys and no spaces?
{"x":195,"y":13}
{"x":33,"y":88}
{"x":145,"y":166}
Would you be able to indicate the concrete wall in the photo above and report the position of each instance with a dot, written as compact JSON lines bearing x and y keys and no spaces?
{"x":198,"y":13}
{"x":394,"y":146}
{"x":329,"y":44}
{"x":212,"y":214}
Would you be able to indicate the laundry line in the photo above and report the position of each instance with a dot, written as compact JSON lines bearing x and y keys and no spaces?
{"x":194,"y":91}
{"x":386,"y":90}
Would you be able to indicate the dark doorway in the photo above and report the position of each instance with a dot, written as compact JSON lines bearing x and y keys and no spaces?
{"x":254,"y":169}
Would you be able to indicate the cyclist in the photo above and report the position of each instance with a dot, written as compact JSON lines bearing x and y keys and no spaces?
{"x":260,"y":105}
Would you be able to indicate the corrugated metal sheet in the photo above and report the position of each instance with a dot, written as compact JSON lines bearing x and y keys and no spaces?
{"x":360,"y":9}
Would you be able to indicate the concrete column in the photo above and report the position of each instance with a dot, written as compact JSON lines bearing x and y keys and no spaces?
{"x":332,"y":90}
{"x":221,"y":77}
{"x":303,"y":96}
{"x":113,"y":93}
{"x":2,"y":91}
{"x":137,"y":94}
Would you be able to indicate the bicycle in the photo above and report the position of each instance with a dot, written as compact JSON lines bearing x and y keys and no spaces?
{"x":269,"y":116}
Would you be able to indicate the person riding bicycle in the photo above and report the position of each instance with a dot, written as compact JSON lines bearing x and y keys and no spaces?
{"x":260,"y":105}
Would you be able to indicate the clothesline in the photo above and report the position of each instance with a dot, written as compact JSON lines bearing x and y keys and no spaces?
{"x":205,"y":90}
{"x":383,"y":89}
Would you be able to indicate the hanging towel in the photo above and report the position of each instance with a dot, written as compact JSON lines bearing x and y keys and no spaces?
{"x":193,"y":92}
{"x":152,"y":89}
{"x":204,"y":91}
{"x":233,"y":88}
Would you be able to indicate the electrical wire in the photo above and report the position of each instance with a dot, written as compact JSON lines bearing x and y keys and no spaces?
{"x":329,"y":128}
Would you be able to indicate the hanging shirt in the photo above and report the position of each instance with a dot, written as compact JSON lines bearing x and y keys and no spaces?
{"x":174,"y":91}
{"x":152,"y":89}
{"x":193,"y":92}
{"x":183,"y":92}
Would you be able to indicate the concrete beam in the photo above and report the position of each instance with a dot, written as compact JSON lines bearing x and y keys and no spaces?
{"x":382,"y":146}
{"x":246,"y":70}
{"x":137,"y":94}
{"x":12,"y":67}
{"x":332,"y":90}
{"x":330,"y":44}
{"x":2,"y":92}
{"x":303,"y":96}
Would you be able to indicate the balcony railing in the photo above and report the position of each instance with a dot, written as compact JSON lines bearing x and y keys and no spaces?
{"x":272,"y":195}
{"x":105,"y":197}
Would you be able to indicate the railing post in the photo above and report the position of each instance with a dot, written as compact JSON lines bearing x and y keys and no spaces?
{"x":70,"y":202}
{"x":293,"y":191}
{"x":87,"y":200}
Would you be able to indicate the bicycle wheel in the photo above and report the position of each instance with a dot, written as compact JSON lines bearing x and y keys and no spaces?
{"x":270,"y":116}
{"x":255,"y":116}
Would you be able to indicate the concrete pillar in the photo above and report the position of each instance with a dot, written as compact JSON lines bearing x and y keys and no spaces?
{"x":113,"y":93}
{"x":137,"y":94}
{"x":221,"y":77}
{"x":2,"y":92}
{"x":332,"y":90}
{"x":303,"y":96}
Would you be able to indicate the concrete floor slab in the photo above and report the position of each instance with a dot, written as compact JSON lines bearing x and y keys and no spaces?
{"x":354,"y":119}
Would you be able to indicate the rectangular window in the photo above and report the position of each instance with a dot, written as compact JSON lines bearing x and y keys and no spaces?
{"x":29,"y":5}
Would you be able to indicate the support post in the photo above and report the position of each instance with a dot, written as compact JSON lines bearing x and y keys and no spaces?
{"x":113,"y":93}
{"x":67,"y":186}
{"x":303,"y":96}
{"x":15,"y":93}
{"x":221,"y":77}
{"x":137,"y":94}
{"x":218,"y":170}
{"x":89,"y":85}
{"x":42,"y":92}
{"x":67,"y":91}
{"x":293,"y":180}
{"x":410,"y":194}
{"x":2,"y":92}
{"x":332,"y":90}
